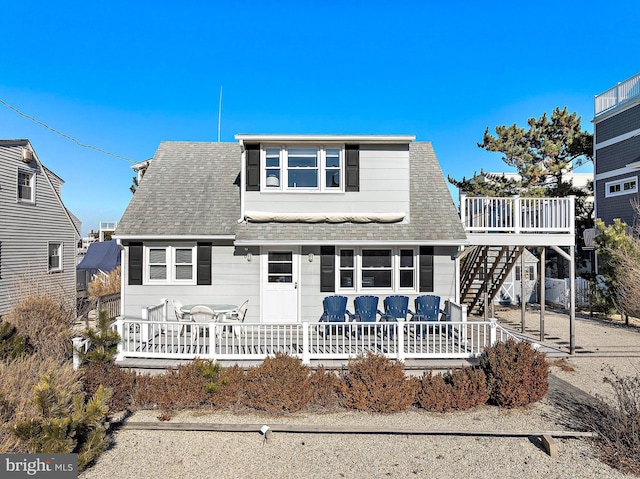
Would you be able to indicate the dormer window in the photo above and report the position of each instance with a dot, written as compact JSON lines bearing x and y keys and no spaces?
{"x":302,"y":168}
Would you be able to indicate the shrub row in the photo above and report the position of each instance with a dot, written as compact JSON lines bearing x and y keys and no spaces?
{"x":510,"y":374}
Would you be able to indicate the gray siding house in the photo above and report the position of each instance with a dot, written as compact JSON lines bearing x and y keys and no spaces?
{"x":617,"y":151}
{"x":38,"y":235}
{"x":285,"y":220}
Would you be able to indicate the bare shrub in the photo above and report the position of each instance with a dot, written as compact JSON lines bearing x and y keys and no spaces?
{"x":181,"y":388}
{"x":105,"y":284}
{"x":120,"y":381}
{"x":469,"y":387}
{"x":516,"y":373}
{"x":45,"y":321}
{"x":280,"y":384}
{"x":434,"y":393}
{"x":324,"y":388}
{"x":231,"y":388}
{"x":617,"y":422}
{"x":375,"y":383}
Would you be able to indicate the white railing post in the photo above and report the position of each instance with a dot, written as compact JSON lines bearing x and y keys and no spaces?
{"x":306,"y":352}
{"x":463,"y":338}
{"x":77,"y":344}
{"x":463,"y":209}
{"x":400,"y":339}
{"x":517,"y":214}
{"x":213,"y":332}
{"x":165,"y":305}
{"x":493,"y":329}
{"x":120,"y":329}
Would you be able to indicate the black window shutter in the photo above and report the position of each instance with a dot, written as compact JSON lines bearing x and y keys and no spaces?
{"x":253,"y":167}
{"x":352,"y":168}
{"x":327,"y":269}
{"x":426,"y":268}
{"x":135,"y":263}
{"x":204,"y":263}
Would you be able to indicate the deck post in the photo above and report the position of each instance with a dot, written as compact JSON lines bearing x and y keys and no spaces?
{"x":213,"y":332}
{"x":493,"y":330}
{"x":77,"y":344}
{"x":517,"y":213}
{"x":120,"y":329}
{"x":463,"y":209}
{"x":305,"y":343}
{"x":400,"y":340}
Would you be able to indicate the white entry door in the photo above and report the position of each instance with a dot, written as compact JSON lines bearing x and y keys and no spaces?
{"x":280,"y":285}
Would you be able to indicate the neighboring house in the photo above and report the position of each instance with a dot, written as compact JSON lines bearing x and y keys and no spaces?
{"x":102,"y":257}
{"x":285,"y":220}
{"x":38,"y":235}
{"x":617,"y":151}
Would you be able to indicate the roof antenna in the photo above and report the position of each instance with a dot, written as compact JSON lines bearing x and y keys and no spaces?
{"x":219,"y":113}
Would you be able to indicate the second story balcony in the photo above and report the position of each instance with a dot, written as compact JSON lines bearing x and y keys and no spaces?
{"x":517,"y":220}
{"x":619,"y":94}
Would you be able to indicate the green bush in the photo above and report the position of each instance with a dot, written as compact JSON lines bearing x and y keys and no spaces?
{"x":516,"y":373}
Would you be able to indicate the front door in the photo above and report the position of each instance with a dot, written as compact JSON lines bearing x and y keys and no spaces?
{"x":280,"y":285}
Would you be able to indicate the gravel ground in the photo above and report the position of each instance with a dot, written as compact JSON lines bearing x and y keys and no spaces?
{"x":152,"y":454}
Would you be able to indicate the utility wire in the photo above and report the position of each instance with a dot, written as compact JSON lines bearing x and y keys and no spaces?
{"x":66,"y":136}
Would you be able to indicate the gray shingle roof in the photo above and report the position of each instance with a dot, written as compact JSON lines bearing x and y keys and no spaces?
{"x":192,"y":189}
{"x":189,"y":189}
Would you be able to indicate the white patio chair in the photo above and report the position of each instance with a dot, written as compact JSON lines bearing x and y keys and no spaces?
{"x":236,"y":317}
{"x":199,"y":314}
{"x":177,"y":306}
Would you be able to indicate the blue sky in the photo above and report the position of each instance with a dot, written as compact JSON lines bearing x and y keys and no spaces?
{"x":124,"y":76}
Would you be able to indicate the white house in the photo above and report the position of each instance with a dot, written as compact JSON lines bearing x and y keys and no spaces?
{"x":285,"y":220}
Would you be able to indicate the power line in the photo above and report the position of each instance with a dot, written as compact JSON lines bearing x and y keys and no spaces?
{"x":99,"y":150}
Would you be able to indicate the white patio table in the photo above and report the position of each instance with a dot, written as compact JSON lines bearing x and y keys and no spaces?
{"x":219,"y":309}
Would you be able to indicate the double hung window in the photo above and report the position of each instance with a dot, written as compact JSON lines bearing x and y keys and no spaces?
{"x":303,"y":168}
{"x":25,"y":186}
{"x":55,"y":256}
{"x":170,"y":264}
{"x":377,"y":269}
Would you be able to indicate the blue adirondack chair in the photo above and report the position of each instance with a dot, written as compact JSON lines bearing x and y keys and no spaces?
{"x":335,"y":311}
{"x":366,"y":311}
{"x":427,"y":309}
{"x":395,"y":307}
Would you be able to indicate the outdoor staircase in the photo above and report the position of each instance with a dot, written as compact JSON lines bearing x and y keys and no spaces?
{"x":497,"y":262}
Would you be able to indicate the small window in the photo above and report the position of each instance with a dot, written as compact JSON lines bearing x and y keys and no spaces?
{"x":347,"y":268}
{"x":157,"y":261}
{"x":624,"y":186}
{"x":25,"y":186}
{"x":529,"y":273}
{"x":407,"y":269}
{"x":272,"y":162}
{"x":302,"y":168}
{"x":55,"y":257}
{"x":376,"y":268}
{"x":332,"y":168}
{"x":280,"y":267}
{"x":183,"y":262}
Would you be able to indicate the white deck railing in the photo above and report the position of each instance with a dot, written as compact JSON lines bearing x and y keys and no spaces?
{"x":517,"y":215}
{"x":308,"y":341}
{"x":620,"y":93}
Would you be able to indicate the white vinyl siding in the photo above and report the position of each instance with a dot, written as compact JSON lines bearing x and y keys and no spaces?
{"x":384,"y":187}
